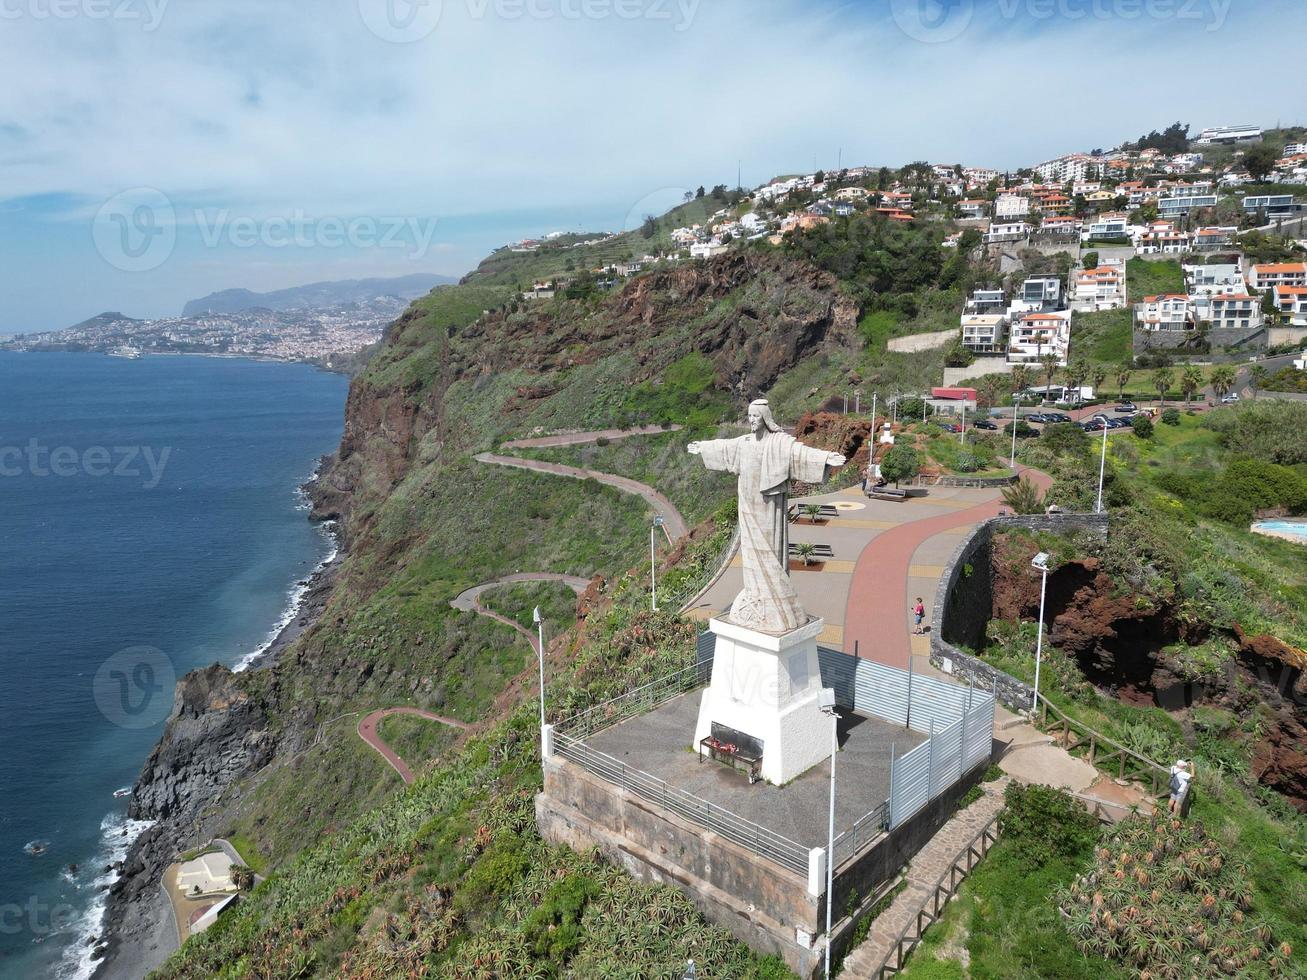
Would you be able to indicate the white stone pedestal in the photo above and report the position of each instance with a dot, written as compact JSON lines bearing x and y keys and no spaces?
{"x":767,"y":686}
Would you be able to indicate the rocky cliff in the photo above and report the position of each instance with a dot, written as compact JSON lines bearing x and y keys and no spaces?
{"x":457,"y":371}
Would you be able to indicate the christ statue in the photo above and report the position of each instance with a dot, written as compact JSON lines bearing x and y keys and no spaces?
{"x":766,"y":461}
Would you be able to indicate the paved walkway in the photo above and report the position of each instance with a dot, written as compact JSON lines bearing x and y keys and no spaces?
{"x":469,"y":600}
{"x":368,"y":732}
{"x":581,"y":438}
{"x":674,"y":524}
{"x":923,"y":873}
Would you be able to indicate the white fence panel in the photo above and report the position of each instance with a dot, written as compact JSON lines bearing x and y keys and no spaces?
{"x":883,"y":692}
{"x":978,"y":743}
{"x":935,"y":702}
{"x":946,"y":758}
{"x":910,"y":787}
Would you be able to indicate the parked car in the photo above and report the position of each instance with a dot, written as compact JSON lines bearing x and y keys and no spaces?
{"x":1094,"y":425}
{"x":1231,"y":398}
{"x":950,"y":427}
{"x":1037,"y":417}
{"x":987,"y":425}
{"x":1057,"y":417}
{"x":1126,"y":408}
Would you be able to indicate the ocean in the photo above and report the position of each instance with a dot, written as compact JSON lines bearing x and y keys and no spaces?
{"x":150,"y":523}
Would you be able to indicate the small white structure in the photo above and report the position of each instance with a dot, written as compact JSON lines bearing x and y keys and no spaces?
{"x":208,"y":874}
{"x":767,"y":686}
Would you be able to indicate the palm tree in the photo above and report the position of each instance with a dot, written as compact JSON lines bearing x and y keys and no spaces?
{"x":1162,"y":378}
{"x":1023,"y":497}
{"x":805,"y":550}
{"x":1223,"y":379}
{"x":1020,"y":377}
{"x":1123,"y":378}
{"x":1097,"y":377}
{"x":242,"y":877}
{"x":1191,"y":379}
{"x":1049,"y":362}
{"x":1256,"y":376}
{"x":812,"y":512}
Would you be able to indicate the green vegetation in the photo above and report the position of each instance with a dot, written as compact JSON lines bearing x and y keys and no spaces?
{"x":417,"y":740}
{"x":899,"y":464}
{"x":518,"y":601}
{"x":685,"y":394}
{"x":1004,"y":922}
{"x":1148,"y":278}
{"x":455,"y":866}
{"x":1105,"y":337}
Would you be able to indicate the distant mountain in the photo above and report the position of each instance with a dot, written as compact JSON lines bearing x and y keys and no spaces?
{"x":317,"y":295}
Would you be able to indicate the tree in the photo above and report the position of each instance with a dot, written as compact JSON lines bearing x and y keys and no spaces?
{"x":1256,"y":378}
{"x":650,"y":226}
{"x":1191,"y":379}
{"x":1162,"y":378}
{"x":242,"y":877}
{"x":805,"y":550}
{"x":1223,"y":379}
{"x":700,"y":192}
{"x":900,"y":463}
{"x":1097,"y":377}
{"x":1090,"y":260}
{"x":1142,"y":426}
{"x":1123,"y":378}
{"x":1024,"y":497}
{"x":1260,"y":161}
{"x":1020,"y":377}
{"x":1050,"y":365}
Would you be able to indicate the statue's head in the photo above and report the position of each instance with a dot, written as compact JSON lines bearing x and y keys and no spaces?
{"x":760,"y":417}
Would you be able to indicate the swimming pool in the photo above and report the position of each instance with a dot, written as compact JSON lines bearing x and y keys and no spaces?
{"x":1294,"y":530}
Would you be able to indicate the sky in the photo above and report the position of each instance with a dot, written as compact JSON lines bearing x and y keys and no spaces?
{"x":153,"y":151}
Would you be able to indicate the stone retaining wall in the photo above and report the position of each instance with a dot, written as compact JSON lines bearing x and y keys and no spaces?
{"x":965,"y":597}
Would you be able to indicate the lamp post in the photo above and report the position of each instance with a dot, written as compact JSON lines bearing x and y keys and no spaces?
{"x":1102,"y":466}
{"x":1016,"y":405}
{"x":1040,"y":561}
{"x":962,"y":433}
{"x":873,"y":418}
{"x":826,"y":701}
{"x":653,"y":564}
{"x":540,"y":654}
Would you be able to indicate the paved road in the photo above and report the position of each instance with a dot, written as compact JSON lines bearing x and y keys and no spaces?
{"x":674,"y":524}
{"x":876,"y":616}
{"x":581,"y":438}
{"x":368,"y":732}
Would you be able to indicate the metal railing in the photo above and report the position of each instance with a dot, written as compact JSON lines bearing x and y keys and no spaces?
{"x":638,"y":701}
{"x":865,"y":830}
{"x":736,"y":829}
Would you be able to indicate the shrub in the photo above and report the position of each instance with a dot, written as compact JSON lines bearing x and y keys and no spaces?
{"x":1171,"y":416}
{"x":1065,"y":438}
{"x":966,"y":463}
{"x":1023,"y":497}
{"x":1142,"y":426}
{"x":900,"y":463}
{"x":1045,"y":823}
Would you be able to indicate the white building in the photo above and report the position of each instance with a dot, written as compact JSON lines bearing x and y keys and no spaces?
{"x":1272,"y":274}
{"x":706,"y":250}
{"x":1228,"y":134}
{"x":1181,"y":204}
{"x":1291,"y":301}
{"x":972,"y":209}
{"x":1235,"y":311}
{"x":1034,"y":335}
{"x":985,"y":334}
{"x":1209,"y":280}
{"x":1007,"y":231}
{"x":1295,"y":149}
{"x":1211,"y":239}
{"x":984,"y":301}
{"x":1102,"y":288}
{"x":1042,"y":293}
{"x":1009,"y":206}
{"x":1107,"y":226}
{"x":1163,"y":238}
{"x":1171,"y":311}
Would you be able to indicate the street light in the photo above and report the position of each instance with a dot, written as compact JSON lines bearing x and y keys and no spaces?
{"x":1016,"y":405}
{"x":826,"y":702}
{"x":1040,"y":561}
{"x":1102,"y":466}
{"x":653,"y":566}
{"x":540,"y":654}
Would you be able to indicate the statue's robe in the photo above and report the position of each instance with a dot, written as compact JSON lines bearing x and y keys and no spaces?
{"x":766,"y":466}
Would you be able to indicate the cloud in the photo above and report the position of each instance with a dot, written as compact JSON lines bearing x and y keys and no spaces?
{"x":267,"y":107}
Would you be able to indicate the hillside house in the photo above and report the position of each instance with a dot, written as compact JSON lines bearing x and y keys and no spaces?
{"x":985,"y":333}
{"x":1010,"y":206}
{"x":1035,"y":334}
{"x":1235,"y":311}
{"x":1291,"y":301}
{"x":1172,"y":311}
{"x":1102,"y":288}
{"x":1209,"y":280}
{"x":1269,"y":275}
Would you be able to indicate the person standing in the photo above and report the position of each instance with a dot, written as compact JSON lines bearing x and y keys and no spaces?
{"x":919,"y":614}
{"x":1182,"y":774}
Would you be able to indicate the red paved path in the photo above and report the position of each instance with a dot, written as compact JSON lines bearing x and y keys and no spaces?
{"x":368,"y":732}
{"x":876,"y":616}
{"x":581,"y":438}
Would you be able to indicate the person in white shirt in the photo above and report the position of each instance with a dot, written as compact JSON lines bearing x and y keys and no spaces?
{"x":1182,"y":773}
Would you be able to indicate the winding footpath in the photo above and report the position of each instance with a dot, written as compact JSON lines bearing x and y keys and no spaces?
{"x":469,"y":600}
{"x":674,"y":525}
{"x":368,"y":732}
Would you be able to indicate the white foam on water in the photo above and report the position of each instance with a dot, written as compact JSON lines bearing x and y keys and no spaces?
{"x":117,"y":834}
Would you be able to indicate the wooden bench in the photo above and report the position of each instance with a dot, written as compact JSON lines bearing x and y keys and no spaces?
{"x":887,"y":493}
